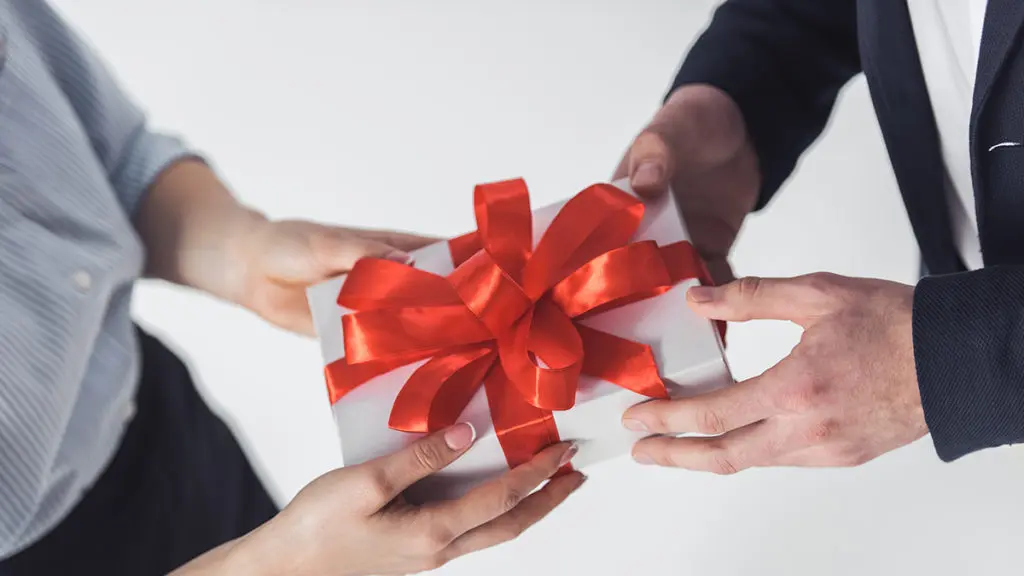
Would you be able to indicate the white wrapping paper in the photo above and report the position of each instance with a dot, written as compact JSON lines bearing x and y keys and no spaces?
{"x":687,"y":349}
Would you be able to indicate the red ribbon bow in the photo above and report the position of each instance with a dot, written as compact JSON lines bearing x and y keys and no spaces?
{"x":507,"y":316}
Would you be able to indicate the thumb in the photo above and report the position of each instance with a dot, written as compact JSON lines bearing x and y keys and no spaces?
{"x":430,"y":454}
{"x":650,"y":164}
{"x":752,"y":298}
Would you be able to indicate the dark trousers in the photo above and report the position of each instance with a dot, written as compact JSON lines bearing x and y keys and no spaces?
{"x":179,"y":486}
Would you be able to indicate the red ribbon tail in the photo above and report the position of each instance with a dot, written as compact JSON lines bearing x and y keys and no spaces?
{"x":437,"y":392}
{"x":342,"y":377}
{"x":622,"y":362}
{"x":523,"y":430}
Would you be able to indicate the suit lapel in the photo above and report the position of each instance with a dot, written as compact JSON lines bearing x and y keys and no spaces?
{"x":896,"y":81}
{"x":1003,"y":22}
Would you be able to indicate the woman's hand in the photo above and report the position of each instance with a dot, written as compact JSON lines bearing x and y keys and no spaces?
{"x":279,"y":260}
{"x":196,"y":234}
{"x":355,"y":521}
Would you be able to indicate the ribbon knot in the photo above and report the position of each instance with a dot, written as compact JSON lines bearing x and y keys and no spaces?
{"x":508,"y":317}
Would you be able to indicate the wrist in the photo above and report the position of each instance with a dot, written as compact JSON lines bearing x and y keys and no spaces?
{"x":195,"y":231}
{"x":257,"y":553}
{"x":225,"y":270}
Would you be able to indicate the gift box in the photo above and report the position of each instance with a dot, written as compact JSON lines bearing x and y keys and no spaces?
{"x":538,"y":327}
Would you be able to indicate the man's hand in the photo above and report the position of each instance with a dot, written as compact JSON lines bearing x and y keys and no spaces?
{"x":846,"y":394}
{"x":697,"y":142}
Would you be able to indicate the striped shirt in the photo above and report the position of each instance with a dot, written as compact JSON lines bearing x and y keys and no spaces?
{"x":75,"y":159}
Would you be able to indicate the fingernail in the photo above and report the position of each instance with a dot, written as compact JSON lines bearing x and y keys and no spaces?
{"x":460,"y":436}
{"x":568,"y":455}
{"x":647,"y":174}
{"x":643,"y":459}
{"x":399,"y":256}
{"x":701,"y":294}
{"x":634,"y":425}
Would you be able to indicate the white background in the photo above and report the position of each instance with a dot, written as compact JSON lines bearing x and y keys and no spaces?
{"x":385,"y":113}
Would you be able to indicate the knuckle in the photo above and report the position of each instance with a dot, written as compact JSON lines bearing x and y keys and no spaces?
{"x":821,"y":431}
{"x":710,"y":422}
{"x":433,"y":539}
{"x":428,"y":456}
{"x":823,"y":287}
{"x":748,"y":287}
{"x":803,"y":396}
{"x":773,"y":448}
{"x":654,"y":140}
{"x":820,"y":282}
{"x":722,"y":464}
{"x":511,"y":496}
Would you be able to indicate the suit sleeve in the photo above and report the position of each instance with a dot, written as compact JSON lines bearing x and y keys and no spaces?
{"x":783,"y":62}
{"x":968,"y":334}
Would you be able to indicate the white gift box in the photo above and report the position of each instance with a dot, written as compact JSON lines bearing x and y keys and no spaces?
{"x":687,"y":348}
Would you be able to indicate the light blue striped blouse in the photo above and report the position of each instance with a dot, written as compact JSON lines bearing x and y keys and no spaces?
{"x":75,"y":158}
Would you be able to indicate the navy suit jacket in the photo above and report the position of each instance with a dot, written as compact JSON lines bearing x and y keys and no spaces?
{"x":784,"y":61}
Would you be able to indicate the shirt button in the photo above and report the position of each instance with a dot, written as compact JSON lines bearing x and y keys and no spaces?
{"x":82,"y":280}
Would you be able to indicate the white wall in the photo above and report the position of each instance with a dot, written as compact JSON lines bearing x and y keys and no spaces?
{"x":386,"y":113}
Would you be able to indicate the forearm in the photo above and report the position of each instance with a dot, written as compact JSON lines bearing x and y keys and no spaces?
{"x":194,"y":229}
{"x":215,"y":561}
{"x":262,"y":551}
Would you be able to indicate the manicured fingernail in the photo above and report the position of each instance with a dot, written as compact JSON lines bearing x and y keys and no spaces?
{"x":643,"y":459}
{"x":701,"y":294}
{"x":399,"y":256}
{"x":460,"y":436}
{"x":647,"y":174}
{"x":634,"y":425}
{"x":568,"y":455}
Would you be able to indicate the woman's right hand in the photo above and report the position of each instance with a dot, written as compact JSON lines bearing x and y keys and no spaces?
{"x":355,"y":521}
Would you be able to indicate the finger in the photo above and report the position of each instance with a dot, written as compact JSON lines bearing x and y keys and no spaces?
{"x":499,"y":496}
{"x":400,"y":240}
{"x":511,"y":525}
{"x":338,"y":250}
{"x":712,"y":413}
{"x":752,"y":445}
{"x":391,"y":475}
{"x":650,"y":164}
{"x":795,"y":299}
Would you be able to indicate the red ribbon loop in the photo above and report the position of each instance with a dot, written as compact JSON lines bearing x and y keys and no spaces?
{"x":506,"y":318}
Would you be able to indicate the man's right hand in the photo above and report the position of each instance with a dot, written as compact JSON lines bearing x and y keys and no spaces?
{"x":697,"y":143}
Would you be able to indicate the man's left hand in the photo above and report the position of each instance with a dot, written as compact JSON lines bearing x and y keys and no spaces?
{"x":846,"y":394}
